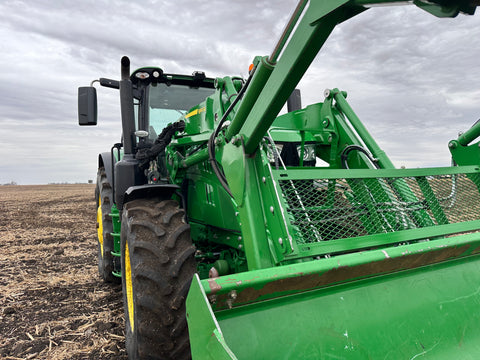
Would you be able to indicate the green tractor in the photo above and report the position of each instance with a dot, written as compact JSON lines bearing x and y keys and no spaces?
{"x":241,"y":234}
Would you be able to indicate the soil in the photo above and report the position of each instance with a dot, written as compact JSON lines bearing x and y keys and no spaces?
{"x":53,"y":304}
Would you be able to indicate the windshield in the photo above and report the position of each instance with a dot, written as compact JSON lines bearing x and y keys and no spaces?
{"x":167,"y":104}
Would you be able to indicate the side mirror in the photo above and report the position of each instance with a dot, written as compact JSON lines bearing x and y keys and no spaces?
{"x":87,"y":105}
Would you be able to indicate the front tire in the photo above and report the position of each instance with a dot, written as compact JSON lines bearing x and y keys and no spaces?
{"x":157,"y":268}
{"x":104,"y":198}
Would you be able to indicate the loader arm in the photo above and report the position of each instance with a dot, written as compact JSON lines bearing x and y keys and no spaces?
{"x":311,"y":24}
{"x":271,"y":82}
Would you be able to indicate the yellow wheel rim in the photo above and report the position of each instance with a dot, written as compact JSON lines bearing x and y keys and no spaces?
{"x":100,"y":225}
{"x":128,"y":286}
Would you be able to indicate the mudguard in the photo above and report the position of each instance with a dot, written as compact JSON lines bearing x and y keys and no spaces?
{"x":105,"y":160}
{"x":161,"y":191}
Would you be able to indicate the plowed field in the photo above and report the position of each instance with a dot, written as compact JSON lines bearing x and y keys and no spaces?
{"x":53,"y":304}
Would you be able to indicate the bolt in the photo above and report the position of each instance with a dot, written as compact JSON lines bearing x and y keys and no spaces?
{"x":232,"y":295}
{"x":264,"y":179}
{"x":326,"y":93}
{"x":452,"y":145}
{"x":240,"y":246}
{"x":239,"y":238}
{"x":280,"y":241}
{"x":326,"y":122}
{"x":212,"y":299}
{"x":271,"y":209}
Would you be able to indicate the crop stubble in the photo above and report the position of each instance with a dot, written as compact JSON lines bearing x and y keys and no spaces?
{"x":53,"y":303}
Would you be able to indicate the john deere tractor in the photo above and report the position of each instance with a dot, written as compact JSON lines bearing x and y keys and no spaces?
{"x":241,"y":234}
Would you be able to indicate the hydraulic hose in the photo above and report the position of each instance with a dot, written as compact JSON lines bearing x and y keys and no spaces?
{"x":349,"y":148}
{"x":145,"y":155}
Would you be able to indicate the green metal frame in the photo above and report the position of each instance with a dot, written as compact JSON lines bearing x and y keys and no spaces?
{"x":463,"y":151}
{"x":115,"y":215}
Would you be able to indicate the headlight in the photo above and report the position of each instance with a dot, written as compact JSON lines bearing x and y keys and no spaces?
{"x":308,"y":152}
{"x":142,"y":75}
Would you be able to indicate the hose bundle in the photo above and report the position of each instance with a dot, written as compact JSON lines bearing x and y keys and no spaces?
{"x":147,"y":154}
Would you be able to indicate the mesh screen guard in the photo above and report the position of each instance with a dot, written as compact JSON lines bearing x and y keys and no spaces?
{"x":328,"y":208}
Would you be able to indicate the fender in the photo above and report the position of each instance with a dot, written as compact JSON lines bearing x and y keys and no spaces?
{"x":161,"y":191}
{"x":105,"y":160}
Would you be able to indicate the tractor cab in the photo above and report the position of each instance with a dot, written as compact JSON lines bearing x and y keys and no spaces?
{"x":161,"y":99}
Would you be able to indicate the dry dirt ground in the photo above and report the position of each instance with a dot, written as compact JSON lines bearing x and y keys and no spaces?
{"x":53,"y":303}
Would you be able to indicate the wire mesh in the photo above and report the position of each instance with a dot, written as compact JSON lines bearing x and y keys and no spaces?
{"x":329,"y":209}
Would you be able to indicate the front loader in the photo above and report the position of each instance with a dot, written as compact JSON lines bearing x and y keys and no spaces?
{"x":241,"y":234}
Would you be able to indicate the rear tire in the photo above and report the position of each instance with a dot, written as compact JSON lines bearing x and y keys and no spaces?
{"x":157,"y":268}
{"x":104,"y":199}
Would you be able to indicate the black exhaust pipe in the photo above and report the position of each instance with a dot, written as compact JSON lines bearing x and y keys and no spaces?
{"x":127,"y":171}
{"x":126,"y":104}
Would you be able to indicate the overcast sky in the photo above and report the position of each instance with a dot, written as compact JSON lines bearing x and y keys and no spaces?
{"x":413,"y":79}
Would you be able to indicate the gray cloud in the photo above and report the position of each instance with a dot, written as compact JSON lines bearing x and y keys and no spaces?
{"x":412,"y":78}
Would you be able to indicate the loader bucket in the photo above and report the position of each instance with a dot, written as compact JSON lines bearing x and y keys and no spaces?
{"x":416,"y":301}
